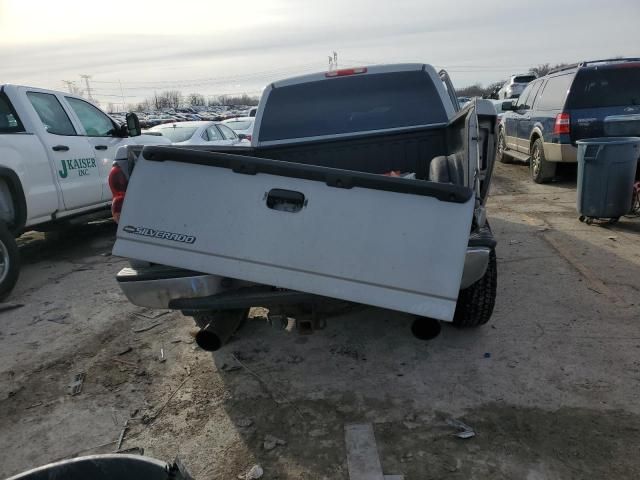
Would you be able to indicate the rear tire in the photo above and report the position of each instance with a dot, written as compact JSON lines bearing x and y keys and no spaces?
{"x":475,"y":303}
{"x":541,"y":170}
{"x":501,"y":151}
{"x":9,"y":262}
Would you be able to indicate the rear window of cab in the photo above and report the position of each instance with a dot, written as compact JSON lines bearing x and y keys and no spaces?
{"x":351,"y":104}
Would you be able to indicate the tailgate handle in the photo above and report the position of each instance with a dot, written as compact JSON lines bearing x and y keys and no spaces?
{"x":285,"y":200}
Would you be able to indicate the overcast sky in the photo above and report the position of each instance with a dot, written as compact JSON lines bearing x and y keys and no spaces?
{"x":229,"y":47}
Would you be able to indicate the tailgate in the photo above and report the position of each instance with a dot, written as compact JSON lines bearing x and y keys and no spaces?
{"x":389,"y":242}
{"x":605,"y":122}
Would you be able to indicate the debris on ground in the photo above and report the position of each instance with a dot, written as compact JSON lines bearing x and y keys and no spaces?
{"x":254,"y":473}
{"x":126,"y":350}
{"x":151,"y":314}
{"x":230,"y":368}
{"x":133,"y":451}
{"x":162,"y":358}
{"x":59,"y":319}
{"x":122,"y":434}
{"x":464,"y":430}
{"x":124,"y":362}
{"x":612,"y":237}
{"x":487,"y":354}
{"x":4,"y":307}
{"x":144,"y":329}
{"x":76,"y":383}
{"x":244,"y":422}
{"x":271,"y":442}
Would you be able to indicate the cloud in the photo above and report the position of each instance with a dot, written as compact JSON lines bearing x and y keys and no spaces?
{"x":483,"y":41}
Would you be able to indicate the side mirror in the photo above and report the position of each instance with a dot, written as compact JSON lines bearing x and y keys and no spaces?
{"x":507,"y":106}
{"x":133,"y":125}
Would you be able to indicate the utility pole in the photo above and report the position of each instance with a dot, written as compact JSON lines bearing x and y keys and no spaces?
{"x":86,"y":82}
{"x":124,"y":105}
{"x":70,"y":85}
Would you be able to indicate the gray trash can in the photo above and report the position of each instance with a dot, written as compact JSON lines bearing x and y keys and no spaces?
{"x":113,"y":466}
{"x":606,"y":172}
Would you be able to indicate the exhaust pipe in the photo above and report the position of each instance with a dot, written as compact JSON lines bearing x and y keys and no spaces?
{"x":425,"y":328}
{"x":219,"y":330}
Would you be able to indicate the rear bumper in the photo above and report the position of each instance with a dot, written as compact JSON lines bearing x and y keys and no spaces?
{"x":560,"y":152}
{"x":156,"y":286}
{"x":163,"y":287}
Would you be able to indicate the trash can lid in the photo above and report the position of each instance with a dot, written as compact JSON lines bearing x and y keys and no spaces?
{"x":608,"y":140}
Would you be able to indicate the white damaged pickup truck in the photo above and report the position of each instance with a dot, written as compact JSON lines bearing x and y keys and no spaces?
{"x":366,"y":185}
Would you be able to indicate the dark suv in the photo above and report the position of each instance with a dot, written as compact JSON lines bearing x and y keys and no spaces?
{"x":599,"y":98}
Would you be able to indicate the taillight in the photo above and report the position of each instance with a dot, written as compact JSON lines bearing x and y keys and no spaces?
{"x":118,"y":184}
{"x":346,"y":71}
{"x":248,"y":137}
{"x":563,"y":123}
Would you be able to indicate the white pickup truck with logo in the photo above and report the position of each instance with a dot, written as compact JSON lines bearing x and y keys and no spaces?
{"x":366,"y":185}
{"x":56,"y":150}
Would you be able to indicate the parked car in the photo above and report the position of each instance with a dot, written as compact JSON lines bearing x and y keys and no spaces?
{"x":243,"y":126}
{"x":57,"y":150}
{"x":197,"y":133}
{"x":515,"y":85}
{"x":591,"y":99}
{"x":463,"y":101}
{"x":310,"y":210}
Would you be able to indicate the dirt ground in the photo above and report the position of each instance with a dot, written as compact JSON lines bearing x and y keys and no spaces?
{"x":551,"y":385}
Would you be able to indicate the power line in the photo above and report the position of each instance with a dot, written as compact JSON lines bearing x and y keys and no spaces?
{"x":196,"y":81}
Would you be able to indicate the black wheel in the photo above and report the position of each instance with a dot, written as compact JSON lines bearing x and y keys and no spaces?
{"x":613,"y":220}
{"x":581,"y":218}
{"x":9,"y":262}
{"x":589,"y":220}
{"x":475,"y":303}
{"x":501,"y":150}
{"x":541,"y":170}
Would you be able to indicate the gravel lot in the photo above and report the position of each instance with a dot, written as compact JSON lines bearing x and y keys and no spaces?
{"x":551,"y":385}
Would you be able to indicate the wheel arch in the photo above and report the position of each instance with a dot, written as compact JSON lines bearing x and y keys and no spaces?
{"x":536,"y":134}
{"x":16,"y":192}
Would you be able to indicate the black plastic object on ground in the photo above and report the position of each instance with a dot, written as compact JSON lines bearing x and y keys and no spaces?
{"x":107,"y":467}
{"x":606,"y":172}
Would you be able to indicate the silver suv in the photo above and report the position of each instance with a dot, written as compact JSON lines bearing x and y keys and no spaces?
{"x":515,"y":85}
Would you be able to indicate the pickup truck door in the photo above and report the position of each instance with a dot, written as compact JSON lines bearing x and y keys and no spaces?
{"x":390,"y":242}
{"x":102,"y":133}
{"x":72,"y":160}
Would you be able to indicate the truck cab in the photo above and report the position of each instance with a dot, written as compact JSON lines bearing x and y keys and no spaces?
{"x":57,"y":150}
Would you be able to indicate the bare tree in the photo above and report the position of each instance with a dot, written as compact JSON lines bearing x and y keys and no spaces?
{"x":475,"y":90}
{"x":196,"y":100}
{"x":544,"y":68}
{"x":173,"y":98}
{"x":243,"y":99}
